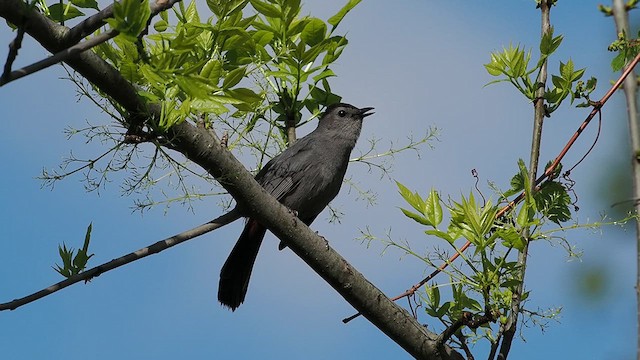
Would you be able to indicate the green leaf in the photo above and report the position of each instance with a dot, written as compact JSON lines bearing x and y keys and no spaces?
{"x":494,"y":68}
{"x":87,"y":4}
{"x":577,"y":75}
{"x":212,"y":71}
{"x":326,"y":73}
{"x":130,"y":17}
{"x":554,"y":201}
{"x":233,"y":77}
{"x":160,"y":26}
{"x":549,"y":44}
{"x":337,"y":18}
{"x":618,"y":62}
{"x":314,"y":32}
{"x":245,"y":95}
{"x":266,"y":9}
{"x":417,"y":217}
{"x":262,"y":37}
{"x":433,"y":294}
{"x":411,"y":198}
{"x":191,"y":14}
{"x":566,"y":70}
{"x":516,"y":243}
{"x":62,"y":12}
{"x":433,"y":209}
{"x":511,"y":283}
{"x":510,"y":238}
{"x":443,"y":309}
{"x":442,"y":235}
{"x":208,"y":106}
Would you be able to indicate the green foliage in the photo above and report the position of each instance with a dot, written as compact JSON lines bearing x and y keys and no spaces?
{"x":73,"y":265}
{"x":512,"y":65}
{"x":608,"y":11}
{"x":552,"y":199}
{"x":253,"y":71}
{"x":251,"y":57}
{"x":627,"y":50}
{"x":61,"y":11}
{"x":484,"y":284}
{"x":130,"y":18}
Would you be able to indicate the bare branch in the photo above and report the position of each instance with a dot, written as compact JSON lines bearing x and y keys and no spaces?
{"x":126,"y":259}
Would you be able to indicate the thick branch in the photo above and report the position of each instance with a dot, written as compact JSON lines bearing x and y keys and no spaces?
{"x":202,"y":148}
{"x":630,"y":87}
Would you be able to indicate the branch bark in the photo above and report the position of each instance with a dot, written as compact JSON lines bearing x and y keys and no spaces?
{"x":125,"y":259}
{"x":630,"y":87}
{"x":538,"y":119}
{"x":201,"y":147}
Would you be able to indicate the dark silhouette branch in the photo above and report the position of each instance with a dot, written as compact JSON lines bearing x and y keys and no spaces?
{"x":204,"y":149}
{"x":14,"y":46}
{"x":124,"y":260}
{"x":94,"y":21}
{"x":58,"y":57}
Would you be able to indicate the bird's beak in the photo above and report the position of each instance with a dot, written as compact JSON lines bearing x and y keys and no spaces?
{"x":364,"y":112}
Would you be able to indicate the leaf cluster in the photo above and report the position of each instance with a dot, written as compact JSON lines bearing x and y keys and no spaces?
{"x":627,"y":50}
{"x":485,"y":282}
{"x":247,"y":60}
{"x":74,"y":264}
{"x":61,"y":11}
{"x":512,"y":65}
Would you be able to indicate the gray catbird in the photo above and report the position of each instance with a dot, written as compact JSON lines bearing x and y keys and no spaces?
{"x":305,"y":178}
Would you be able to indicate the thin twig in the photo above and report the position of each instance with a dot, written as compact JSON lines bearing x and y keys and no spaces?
{"x":65,"y":54}
{"x":597,"y":107}
{"x":534,"y":158}
{"x":58,"y":57}
{"x":14,"y":46}
{"x":123,"y":260}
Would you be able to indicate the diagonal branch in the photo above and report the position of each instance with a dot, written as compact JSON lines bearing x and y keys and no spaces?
{"x":125,"y":259}
{"x":597,"y":107}
{"x":201,"y":147}
{"x":57,"y":58}
{"x":94,"y":21}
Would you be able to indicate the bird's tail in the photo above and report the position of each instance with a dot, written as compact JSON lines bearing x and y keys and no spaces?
{"x":236,"y":271}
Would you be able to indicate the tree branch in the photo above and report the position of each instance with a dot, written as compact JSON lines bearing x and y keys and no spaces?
{"x":536,"y":138}
{"x":126,"y":259}
{"x":201,"y":147}
{"x":630,"y":87}
{"x":64,"y":54}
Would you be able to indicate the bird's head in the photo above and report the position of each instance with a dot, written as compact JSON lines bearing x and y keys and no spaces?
{"x":344,"y":118}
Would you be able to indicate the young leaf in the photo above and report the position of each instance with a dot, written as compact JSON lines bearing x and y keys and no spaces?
{"x":549,"y":44}
{"x":266,"y":9}
{"x":411,"y":198}
{"x":433,"y":209}
{"x":233,"y":77}
{"x":62,"y":12}
{"x":87,"y":4}
{"x":337,"y":18}
{"x":314,"y":32}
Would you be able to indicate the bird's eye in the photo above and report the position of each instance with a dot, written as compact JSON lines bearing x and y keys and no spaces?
{"x":342,"y":113}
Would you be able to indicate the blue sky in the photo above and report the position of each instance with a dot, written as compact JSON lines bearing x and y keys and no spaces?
{"x":419,"y":63}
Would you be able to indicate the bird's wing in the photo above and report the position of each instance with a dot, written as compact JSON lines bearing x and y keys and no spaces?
{"x":283,"y":173}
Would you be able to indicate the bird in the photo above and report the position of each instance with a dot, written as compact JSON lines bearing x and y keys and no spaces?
{"x":305,"y":178}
